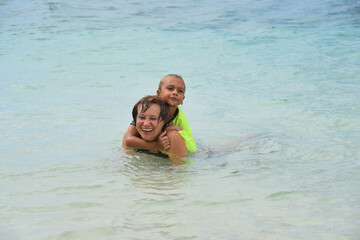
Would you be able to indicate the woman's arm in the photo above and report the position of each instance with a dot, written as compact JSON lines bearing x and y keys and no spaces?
{"x":132,"y":139}
{"x":178,"y":148}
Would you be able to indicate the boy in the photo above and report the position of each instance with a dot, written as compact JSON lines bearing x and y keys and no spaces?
{"x":172,"y":91}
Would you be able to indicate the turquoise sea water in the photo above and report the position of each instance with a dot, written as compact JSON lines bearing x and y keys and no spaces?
{"x":283,"y":76}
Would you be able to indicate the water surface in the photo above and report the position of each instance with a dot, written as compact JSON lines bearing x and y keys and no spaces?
{"x":281,"y":75}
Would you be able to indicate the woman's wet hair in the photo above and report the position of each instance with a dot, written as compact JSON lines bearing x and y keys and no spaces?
{"x":147,"y":102}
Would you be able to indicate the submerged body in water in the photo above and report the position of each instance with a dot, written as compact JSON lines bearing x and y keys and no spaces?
{"x":257,"y":141}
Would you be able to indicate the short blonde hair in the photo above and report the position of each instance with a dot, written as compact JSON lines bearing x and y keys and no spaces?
{"x":169,"y":75}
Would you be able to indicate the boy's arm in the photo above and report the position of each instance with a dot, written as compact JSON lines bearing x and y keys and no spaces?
{"x":133,"y":139}
{"x":173,"y":127}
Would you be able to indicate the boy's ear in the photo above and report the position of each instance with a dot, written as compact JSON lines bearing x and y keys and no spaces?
{"x":157,"y":92}
{"x":183,"y":100}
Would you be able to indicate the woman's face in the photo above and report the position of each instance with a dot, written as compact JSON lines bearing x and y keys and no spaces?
{"x":147,"y":123}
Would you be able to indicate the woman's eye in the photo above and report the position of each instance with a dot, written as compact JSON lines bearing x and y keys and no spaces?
{"x":153,"y":119}
{"x":141,"y":118}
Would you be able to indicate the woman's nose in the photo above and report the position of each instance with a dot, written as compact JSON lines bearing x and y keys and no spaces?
{"x":147,"y":122}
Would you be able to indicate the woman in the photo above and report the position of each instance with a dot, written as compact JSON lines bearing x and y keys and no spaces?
{"x":150,"y":115}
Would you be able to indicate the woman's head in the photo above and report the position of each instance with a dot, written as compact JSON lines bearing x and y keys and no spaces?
{"x":150,"y":115}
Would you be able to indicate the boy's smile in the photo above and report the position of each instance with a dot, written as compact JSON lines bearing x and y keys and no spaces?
{"x":172,"y":91}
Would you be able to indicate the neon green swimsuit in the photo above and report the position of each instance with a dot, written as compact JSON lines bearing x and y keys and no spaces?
{"x":181,"y":121}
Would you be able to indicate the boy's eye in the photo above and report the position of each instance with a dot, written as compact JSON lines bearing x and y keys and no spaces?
{"x":181,"y":91}
{"x":170,"y":88}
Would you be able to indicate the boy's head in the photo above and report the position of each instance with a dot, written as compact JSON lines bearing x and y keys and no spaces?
{"x":172,"y":90}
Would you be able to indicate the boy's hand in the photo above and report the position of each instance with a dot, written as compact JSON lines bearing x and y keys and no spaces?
{"x":173,"y":127}
{"x":163,"y":142}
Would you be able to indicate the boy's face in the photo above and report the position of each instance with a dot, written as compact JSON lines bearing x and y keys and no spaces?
{"x":147,"y":123}
{"x":172,"y":91}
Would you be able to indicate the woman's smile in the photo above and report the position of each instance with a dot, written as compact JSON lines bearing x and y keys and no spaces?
{"x":147,"y":129}
{"x":147,"y":123}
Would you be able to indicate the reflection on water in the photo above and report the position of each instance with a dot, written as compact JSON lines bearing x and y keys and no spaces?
{"x":160,"y":189}
{"x":157,"y":188}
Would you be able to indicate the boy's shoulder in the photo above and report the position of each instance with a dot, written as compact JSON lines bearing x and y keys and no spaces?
{"x":186,"y":132}
{"x":180,"y":119}
{"x":181,"y":114}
